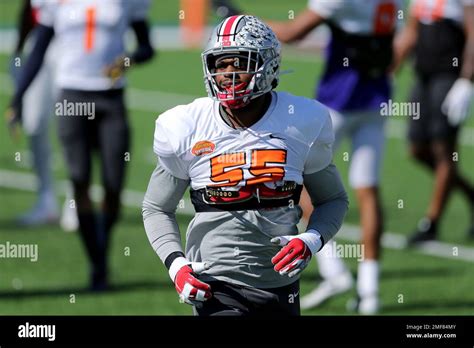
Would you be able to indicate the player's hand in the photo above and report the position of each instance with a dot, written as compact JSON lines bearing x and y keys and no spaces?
{"x":13,"y":120}
{"x":116,"y":70}
{"x":191,"y":290}
{"x":457,"y":101}
{"x":296,"y":252}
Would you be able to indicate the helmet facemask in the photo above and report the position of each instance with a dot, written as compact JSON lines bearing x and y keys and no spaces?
{"x":252,"y":63}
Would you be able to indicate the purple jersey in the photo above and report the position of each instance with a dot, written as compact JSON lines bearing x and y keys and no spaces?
{"x":346,"y":88}
{"x":359,"y":53}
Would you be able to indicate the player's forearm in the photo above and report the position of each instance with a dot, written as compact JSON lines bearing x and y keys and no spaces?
{"x":405,"y":42}
{"x":297,"y":28}
{"x":329,"y":199}
{"x":158,"y":211}
{"x":144,"y":51}
{"x":403,"y":45}
{"x":467,"y":70}
{"x":35,"y":60}
{"x":163,"y":233}
{"x":281,"y":31}
{"x":327,"y":218}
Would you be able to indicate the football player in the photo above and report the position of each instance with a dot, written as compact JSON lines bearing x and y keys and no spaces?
{"x":91,"y":113}
{"x":245,"y":151}
{"x":38,"y":108}
{"x":442,"y":36}
{"x":355,"y":82}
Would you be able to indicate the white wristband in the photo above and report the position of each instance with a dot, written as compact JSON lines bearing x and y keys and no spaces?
{"x":176,"y":265}
{"x":312,"y":239}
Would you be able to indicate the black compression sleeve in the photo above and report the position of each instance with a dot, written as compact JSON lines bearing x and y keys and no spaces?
{"x":43,"y":36}
{"x":25,"y":25}
{"x":144,"y":50}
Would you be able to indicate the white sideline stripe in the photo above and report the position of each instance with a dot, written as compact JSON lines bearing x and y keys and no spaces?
{"x":158,"y":101}
{"x":26,"y":182}
{"x":396,"y":241}
{"x":165,"y":37}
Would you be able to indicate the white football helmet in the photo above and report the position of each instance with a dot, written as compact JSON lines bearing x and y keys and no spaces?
{"x":258,"y":51}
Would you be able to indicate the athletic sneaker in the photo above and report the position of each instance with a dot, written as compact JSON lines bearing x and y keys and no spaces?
{"x":99,"y":279}
{"x":44,"y":212}
{"x":69,"y":221}
{"x":328,"y":288}
{"x":367,"y":305}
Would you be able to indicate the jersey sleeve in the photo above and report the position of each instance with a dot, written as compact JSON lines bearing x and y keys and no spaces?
{"x":166,"y":153}
{"x":46,"y":11}
{"x":320,"y":152}
{"x":139,"y":10}
{"x":325,"y":8}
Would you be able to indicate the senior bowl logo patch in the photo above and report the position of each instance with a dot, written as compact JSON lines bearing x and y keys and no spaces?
{"x":203,"y":148}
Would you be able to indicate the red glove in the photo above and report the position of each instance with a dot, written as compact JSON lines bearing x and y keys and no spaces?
{"x":191,"y":290}
{"x":296,"y":252}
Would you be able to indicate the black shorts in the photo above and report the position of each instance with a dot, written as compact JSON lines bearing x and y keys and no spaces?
{"x":433,"y":124}
{"x":94,"y":120}
{"x":236,"y":300}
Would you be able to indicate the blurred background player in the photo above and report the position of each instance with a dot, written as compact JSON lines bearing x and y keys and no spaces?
{"x":36,"y":112}
{"x":442,"y":35}
{"x":90,"y":61}
{"x":354,"y":84}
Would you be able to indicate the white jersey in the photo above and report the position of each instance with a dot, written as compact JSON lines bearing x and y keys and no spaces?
{"x":193,"y":142}
{"x":90,"y":36}
{"x":428,"y":11}
{"x":293,"y":138}
{"x":359,"y":16}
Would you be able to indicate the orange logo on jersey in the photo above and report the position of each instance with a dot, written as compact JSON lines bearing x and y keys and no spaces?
{"x":203,"y":148}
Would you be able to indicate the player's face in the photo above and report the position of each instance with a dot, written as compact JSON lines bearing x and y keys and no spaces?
{"x":227,"y":67}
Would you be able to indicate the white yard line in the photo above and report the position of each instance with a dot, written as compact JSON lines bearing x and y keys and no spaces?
{"x":396,"y":241}
{"x":130,"y":198}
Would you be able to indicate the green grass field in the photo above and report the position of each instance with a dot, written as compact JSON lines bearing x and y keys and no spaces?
{"x":429,"y":285}
{"x":56,"y":283}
